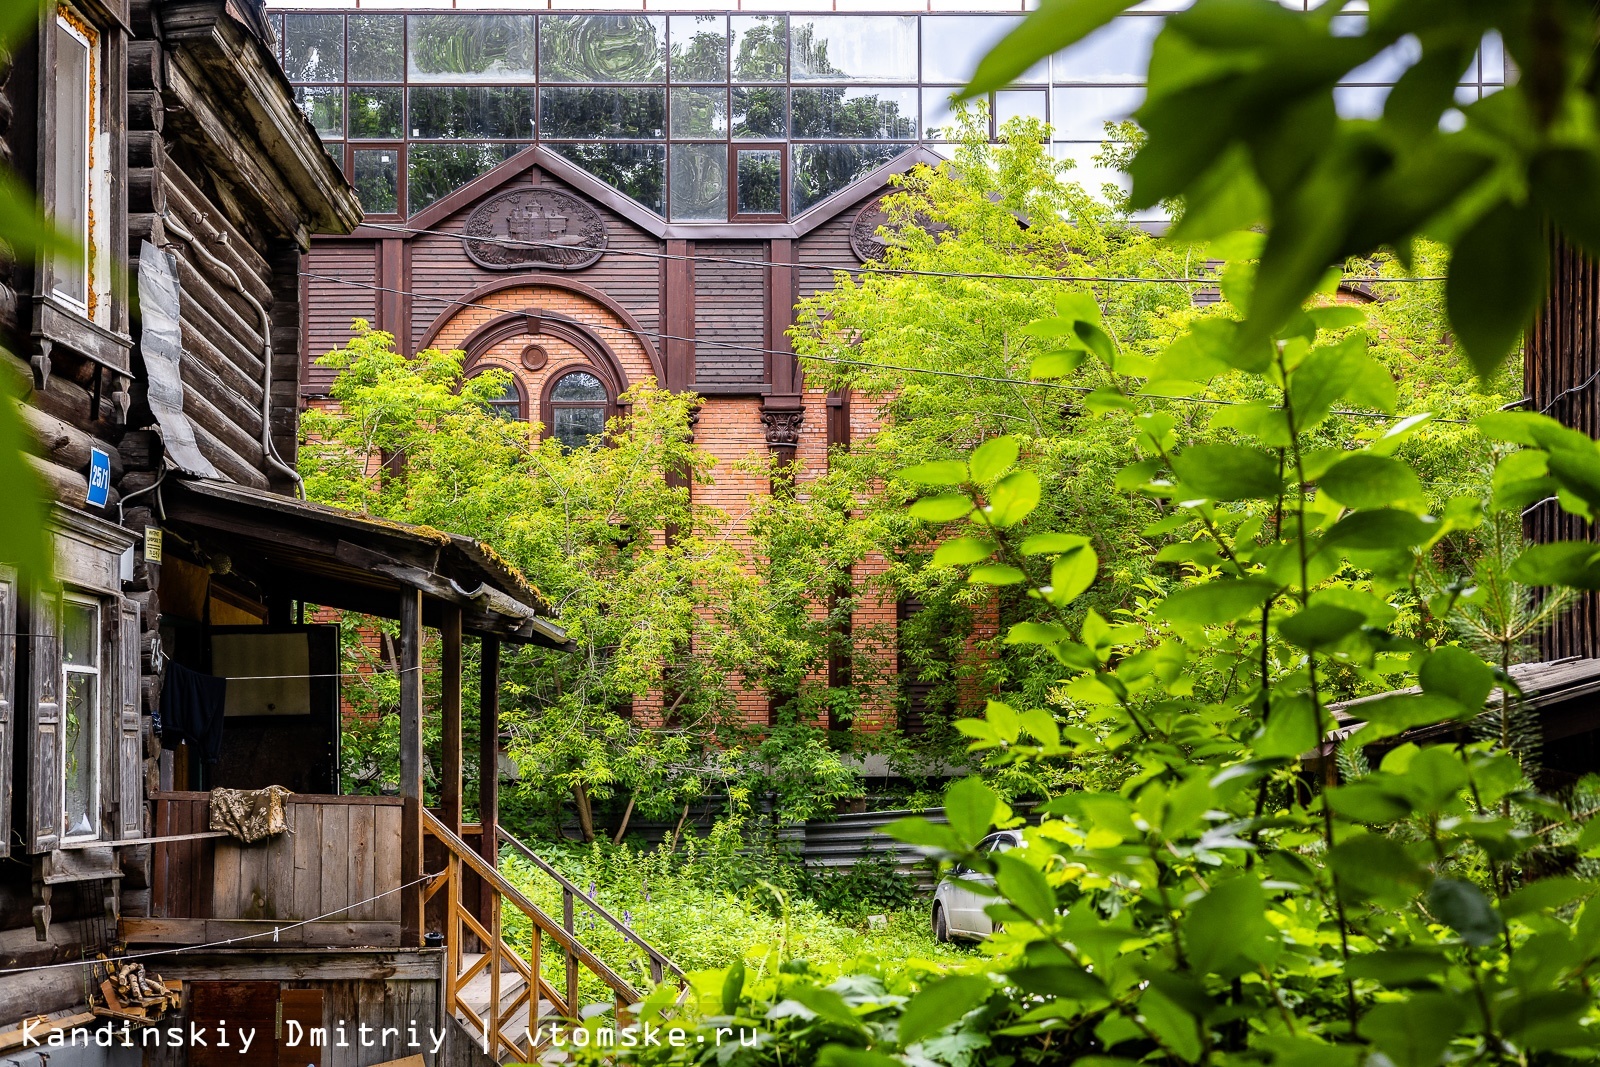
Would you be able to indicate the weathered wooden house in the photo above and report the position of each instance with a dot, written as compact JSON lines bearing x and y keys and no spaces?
{"x":160,"y":376}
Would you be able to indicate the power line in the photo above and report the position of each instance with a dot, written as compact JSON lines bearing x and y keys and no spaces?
{"x":899,"y":368}
{"x":857,"y":268}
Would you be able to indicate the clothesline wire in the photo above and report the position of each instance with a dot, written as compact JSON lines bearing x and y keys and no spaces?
{"x":899,"y":368}
{"x":273,"y":933}
{"x":856,"y":268}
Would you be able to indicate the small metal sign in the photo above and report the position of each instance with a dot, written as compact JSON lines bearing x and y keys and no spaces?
{"x":99,"y":477}
{"x":152,"y":544}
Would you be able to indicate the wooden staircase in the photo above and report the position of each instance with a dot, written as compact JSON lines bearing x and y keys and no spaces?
{"x":500,"y":992}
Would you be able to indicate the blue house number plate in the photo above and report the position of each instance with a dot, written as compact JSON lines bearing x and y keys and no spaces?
{"x":99,"y":477}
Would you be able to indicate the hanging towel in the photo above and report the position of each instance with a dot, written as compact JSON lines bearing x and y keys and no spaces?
{"x":191,"y":710}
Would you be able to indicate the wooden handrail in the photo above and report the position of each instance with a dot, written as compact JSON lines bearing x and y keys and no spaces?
{"x":655,"y":954}
{"x":568,"y":942}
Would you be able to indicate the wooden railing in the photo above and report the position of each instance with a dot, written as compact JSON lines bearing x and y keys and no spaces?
{"x":508,"y":1019}
{"x":660,"y":965}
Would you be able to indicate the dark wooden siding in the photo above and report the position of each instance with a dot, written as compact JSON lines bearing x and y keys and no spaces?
{"x":1561,"y":365}
{"x":440,"y":271}
{"x":333,"y":306}
{"x":729,"y":308}
{"x":827,"y":244}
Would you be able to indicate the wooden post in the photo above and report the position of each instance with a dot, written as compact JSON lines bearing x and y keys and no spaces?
{"x":411,"y":768}
{"x":450,"y":712}
{"x":489,"y":763}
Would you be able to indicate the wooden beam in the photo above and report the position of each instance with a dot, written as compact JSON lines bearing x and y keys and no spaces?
{"x":260,"y":932}
{"x":411,"y":767}
{"x":488,"y":762}
{"x":450,"y":711}
{"x":678,"y":316}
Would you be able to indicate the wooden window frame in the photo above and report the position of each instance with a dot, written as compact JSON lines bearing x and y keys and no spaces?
{"x":516,"y":383}
{"x":547,"y":405}
{"x":104,"y":651}
{"x":399,"y":149}
{"x":734,"y":148}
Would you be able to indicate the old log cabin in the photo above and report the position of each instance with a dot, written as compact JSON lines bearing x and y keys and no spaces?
{"x":159,"y":372}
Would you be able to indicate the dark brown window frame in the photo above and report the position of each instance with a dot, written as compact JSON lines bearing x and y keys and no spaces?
{"x":547,"y":406}
{"x":734,"y":148}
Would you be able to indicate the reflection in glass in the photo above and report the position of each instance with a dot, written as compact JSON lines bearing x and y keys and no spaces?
{"x":1117,"y":52}
{"x":699,"y":113}
{"x":335,"y":151}
{"x":375,"y":172}
{"x":434,"y":171}
{"x":952,"y":45}
{"x":637,"y":170}
{"x":939,"y":118}
{"x":508,"y":405}
{"x":1081,"y":113}
{"x":375,"y":112}
{"x":603,"y":48}
{"x":867,"y":114}
{"x":760,"y":48}
{"x":470,"y":48}
{"x":869,"y":48}
{"x":79,"y":748}
{"x":699,"y":47}
{"x":583,"y":114}
{"x":820,"y":170}
{"x":313,"y":47}
{"x":760,"y":114}
{"x":578,"y":409}
{"x":700,"y":181}
{"x":1087,"y":170}
{"x":80,"y":634}
{"x":377,"y":47}
{"x":1492,"y":60}
{"x":1025,"y":104}
{"x":324,"y":106}
{"x":760,"y":181}
{"x":462,"y":112}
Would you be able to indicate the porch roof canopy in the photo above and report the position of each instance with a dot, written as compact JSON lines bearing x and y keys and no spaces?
{"x":311,"y":552}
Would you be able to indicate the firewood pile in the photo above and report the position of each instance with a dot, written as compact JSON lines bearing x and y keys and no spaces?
{"x":131,"y":992}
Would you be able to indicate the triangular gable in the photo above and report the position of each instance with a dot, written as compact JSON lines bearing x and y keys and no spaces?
{"x":580,"y":180}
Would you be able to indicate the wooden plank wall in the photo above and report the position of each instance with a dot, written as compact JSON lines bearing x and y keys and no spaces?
{"x":729,"y":309}
{"x":1561,"y":363}
{"x":332,"y":306}
{"x":339,"y":851}
{"x":827,"y":244}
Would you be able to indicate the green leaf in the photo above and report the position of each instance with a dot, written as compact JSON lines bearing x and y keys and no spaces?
{"x":1367,"y":802}
{"x":1365,"y":481}
{"x":1216,"y":602}
{"x":946,"y":508}
{"x":1036,"y":633}
{"x":733,"y":987}
{"x":1337,"y":317}
{"x":1453,"y":672}
{"x":1463,"y":907}
{"x":1013,"y":498}
{"x":1072,"y":573}
{"x":1057,"y":24}
{"x":939,"y":472}
{"x":1398,"y":967}
{"x":915,"y":830}
{"x":962,"y":550}
{"x":1228,"y":472}
{"x":994,"y":458}
{"x":996,"y":574}
{"x":1056,"y":364}
{"x":941,"y":1004}
{"x":1520,"y":479}
{"x":1025,"y":887}
{"x":1575,"y":564}
{"x":1545,"y":895}
{"x":1059,"y":980}
{"x":1041,"y":725}
{"x":1496,"y":280}
{"x":1320,"y":625}
{"x":1042,"y":543}
{"x":1334,"y":372}
{"x":1377,"y":867}
{"x":1416,"y":1032}
{"x":970,"y":805}
{"x":1291,"y":728}
{"x":840,"y":1056}
{"x":1395,"y":713}
{"x":1228,"y":921}
{"x":1382,"y":529}
{"x":1175,"y":1027}
{"x":826,"y":1003}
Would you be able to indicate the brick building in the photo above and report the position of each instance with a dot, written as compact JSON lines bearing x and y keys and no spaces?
{"x":588,"y":199}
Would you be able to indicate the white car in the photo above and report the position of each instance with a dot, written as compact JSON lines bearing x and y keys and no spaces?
{"x":958,"y":910}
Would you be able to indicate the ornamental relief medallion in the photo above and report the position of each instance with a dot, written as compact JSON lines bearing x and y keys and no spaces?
{"x":535,"y":228}
{"x":867,"y":243}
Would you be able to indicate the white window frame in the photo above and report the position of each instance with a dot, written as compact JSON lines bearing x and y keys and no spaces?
{"x":93,"y":196}
{"x":96,"y":670}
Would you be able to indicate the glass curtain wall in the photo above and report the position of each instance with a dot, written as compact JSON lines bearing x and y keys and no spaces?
{"x":707,"y":117}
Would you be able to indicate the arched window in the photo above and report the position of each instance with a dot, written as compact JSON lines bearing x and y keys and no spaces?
{"x":508,"y":405}
{"x":578,"y":405}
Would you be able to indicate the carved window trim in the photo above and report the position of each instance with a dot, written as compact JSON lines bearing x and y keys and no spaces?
{"x":548,"y":405}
